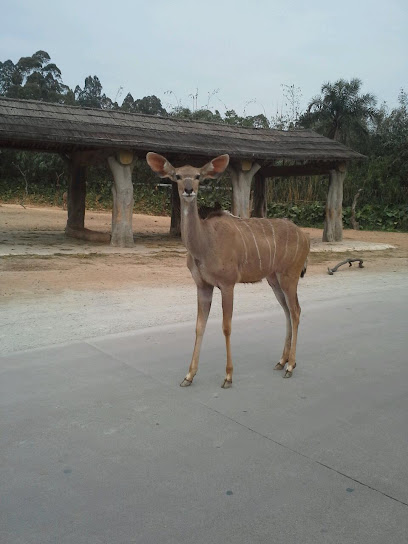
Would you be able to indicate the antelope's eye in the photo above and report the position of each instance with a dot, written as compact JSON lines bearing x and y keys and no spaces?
{"x":178,"y":176}
{"x":197,"y":176}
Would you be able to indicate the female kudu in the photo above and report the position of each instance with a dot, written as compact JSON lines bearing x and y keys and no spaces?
{"x":224,"y":250}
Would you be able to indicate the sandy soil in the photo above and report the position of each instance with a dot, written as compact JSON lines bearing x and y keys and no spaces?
{"x":55,"y":289}
{"x":42,"y":260}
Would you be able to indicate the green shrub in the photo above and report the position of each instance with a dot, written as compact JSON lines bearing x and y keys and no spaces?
{"x":369,"y":216}
{"x":306,"y":215}
{"x":377,"y":217}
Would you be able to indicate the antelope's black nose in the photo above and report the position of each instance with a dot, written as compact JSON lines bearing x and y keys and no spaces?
{"x":188,"y":191}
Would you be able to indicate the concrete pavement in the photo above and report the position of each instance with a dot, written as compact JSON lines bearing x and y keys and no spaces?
{"x":98,"y":443}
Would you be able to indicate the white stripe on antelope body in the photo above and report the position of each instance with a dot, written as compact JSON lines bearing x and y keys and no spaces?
{"x":224,"y":250}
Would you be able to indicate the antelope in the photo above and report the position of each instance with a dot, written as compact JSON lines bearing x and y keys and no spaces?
{"x":224,"y":250}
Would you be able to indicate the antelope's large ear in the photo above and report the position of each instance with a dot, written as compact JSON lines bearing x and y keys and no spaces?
{"x":160,"y":165}
{"x":215,"y":168}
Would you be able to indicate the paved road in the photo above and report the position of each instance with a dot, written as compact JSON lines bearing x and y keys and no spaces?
{"x":100,"y":445}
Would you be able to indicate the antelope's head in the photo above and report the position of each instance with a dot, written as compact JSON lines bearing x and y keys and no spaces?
{"x":187,"y":177}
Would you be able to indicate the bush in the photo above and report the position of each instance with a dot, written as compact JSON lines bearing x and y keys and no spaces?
{"x":377,"y":217}
{"x":310,"y":214}
{"x":369,"y":217}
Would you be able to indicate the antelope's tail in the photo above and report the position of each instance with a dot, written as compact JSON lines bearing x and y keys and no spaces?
{"x":304,"y":269}
{"x":305,"y":265}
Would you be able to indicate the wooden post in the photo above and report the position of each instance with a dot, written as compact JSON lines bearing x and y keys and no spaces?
{"x":260,"y":209}
{"x":333,"y":223}
{"x":122,"y":190}
{"x":175,"y":225}
{"x":241,"y":177}
{"x":76,"y":192}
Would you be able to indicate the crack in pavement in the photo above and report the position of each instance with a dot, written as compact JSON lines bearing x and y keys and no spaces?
{"x":304,"y":455}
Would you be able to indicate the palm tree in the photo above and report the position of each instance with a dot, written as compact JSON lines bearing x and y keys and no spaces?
{"x":341,"y":113}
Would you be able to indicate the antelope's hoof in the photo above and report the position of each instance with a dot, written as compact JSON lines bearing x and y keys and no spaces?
{"x":186,"y":383}
{"x":279,"y":366}
{"x":227,"y":384}
{"x":288,"y":374}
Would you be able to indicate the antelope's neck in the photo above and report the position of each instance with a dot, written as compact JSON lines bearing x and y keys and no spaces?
{"x":192,"y":229}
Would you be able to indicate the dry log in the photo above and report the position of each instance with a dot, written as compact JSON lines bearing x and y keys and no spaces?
{"x":331,"y":271}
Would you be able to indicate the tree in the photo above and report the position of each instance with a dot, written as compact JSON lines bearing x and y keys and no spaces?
{"x":341,"y":112}
{"x":387,"y":170}
{"x":288,"y":117}
{"x":201,"y":114}
{"x":128,"y":103}
{"x":150,"y":105}
{"x":9,"y":77}
{"x":252,"y":121}
{"x":91,"y":95}
{"x":34,"y":78}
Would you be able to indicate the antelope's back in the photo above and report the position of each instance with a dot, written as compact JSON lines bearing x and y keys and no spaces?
{"x":269,"y":245}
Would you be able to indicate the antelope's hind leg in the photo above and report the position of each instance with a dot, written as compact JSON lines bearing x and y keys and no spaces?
{"x":288,"y":286}
{"x":274,"y":283}
{"x":227,"y":294}
{"x":204,"y":299}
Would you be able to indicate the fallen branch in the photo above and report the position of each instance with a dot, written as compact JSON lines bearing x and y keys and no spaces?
{"x":331,"y":271}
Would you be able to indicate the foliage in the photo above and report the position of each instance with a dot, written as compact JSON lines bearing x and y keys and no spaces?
{"x":308,"y":215}
{"x":35,"y":172}
{"x":379,"y":217}
{"x":288,"y":117}
{"x":252,"y":121}
{"x":341,"y":112}
{"x":369,"y":217}
{"x":150,"y":105}
{"x":91,"y":95}
{"x":34,"y":77}
{"x":390,"y":144}
{"x":201,"y":114}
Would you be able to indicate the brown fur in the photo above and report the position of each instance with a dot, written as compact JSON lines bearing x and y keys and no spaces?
{"x":205,"y":212}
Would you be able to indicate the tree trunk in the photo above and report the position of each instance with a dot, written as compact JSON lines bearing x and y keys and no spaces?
{"x":333,"y":223}
{"x":76,"y":192}
{"x":175,"y":225}
{"x":241,"y":190}
{"x":353,"y":221}
{"x":122,"y":212}
{"x":260,"y":209}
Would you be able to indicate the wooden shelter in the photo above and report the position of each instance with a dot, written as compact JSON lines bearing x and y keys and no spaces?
{"x":85,"y":136}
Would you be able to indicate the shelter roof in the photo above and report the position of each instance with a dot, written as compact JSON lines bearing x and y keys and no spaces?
{"x":43,"y":126}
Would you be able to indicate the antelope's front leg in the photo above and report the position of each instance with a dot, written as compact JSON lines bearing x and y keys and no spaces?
{"x":227,"y":307}
{"x":204,"y":299}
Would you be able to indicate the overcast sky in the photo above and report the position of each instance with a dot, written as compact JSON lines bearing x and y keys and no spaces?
{"x":246,"y":49}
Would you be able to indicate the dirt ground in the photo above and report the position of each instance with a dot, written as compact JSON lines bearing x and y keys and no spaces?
{"x":56,"y":290}
{"x":40,"y":259}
